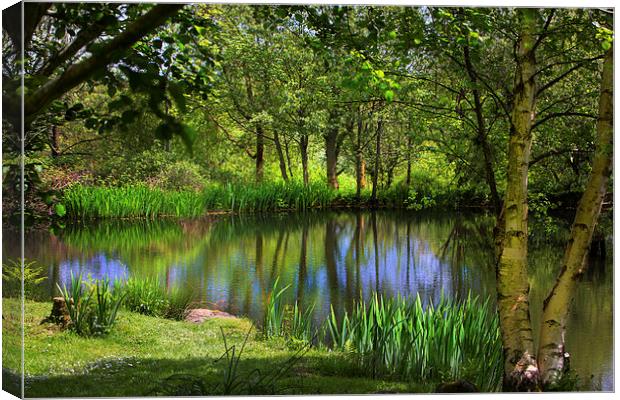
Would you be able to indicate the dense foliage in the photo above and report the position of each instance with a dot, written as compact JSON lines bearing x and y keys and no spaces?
{"x":400,"y":100}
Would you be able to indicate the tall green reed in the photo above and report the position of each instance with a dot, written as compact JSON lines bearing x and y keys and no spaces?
{"x":144,"y":296}
{"x":141,"y":201}
{"x":397,"y":337}
{"x":273,"y":323}
{"x":92,"y":305}
{"x":149,"y":297}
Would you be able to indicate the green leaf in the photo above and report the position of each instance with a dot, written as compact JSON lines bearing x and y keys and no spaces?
{"x":60,"y":32}
{"x":91,"y":123}
{"x":389,"y":95}
{"x":60,"y":210}
{"x":392,"y":34}
{"x":606,"y":44}
{"x":202,"y":31}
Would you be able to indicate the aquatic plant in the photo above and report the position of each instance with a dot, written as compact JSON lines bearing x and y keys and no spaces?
{"x":105,"y":307}
{"x":149,"y":297}
{"x":141,"y":201}
{"x":92,"y":305}
{"x":301,"y":329}
{"x":145,"y":296}
{"x":77,"y":299}
{"x":179,"y":301}
{"x":273,"y":323}
{"x":397,"y":337}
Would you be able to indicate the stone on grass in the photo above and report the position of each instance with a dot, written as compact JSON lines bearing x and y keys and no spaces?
{"x":198,"y":315}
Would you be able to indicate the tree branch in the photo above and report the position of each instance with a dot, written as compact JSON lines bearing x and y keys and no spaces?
{"x":84,"y":37}
{"x":562,"y":114}
{"x":547,"y":154}
{"x":110,"y":52}
{"x":543,"y":34}
{"x":564,"y":75}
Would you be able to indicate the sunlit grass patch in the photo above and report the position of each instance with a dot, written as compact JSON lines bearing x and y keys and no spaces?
{"x":141,"y":201}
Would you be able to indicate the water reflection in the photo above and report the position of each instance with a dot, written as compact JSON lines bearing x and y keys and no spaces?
{"x":329,"y":258}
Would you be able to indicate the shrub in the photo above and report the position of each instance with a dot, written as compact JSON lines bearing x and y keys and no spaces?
{"x":147,"y":296}
{"x":181,"y":175}
{"x":118,"y":170}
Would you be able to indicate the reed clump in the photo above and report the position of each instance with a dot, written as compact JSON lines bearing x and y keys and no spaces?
{"x":450,"y":340}
{"x":402,"y":338}
{"x":141,"y":201}
{"x":92,"y":305}
{"x":148,"y":296}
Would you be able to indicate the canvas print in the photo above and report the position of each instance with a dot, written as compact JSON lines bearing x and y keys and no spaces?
{"x":231,"y":199}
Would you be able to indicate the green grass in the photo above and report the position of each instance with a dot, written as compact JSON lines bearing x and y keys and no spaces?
{"x":140,"y":201}
{"x":142,"y":351}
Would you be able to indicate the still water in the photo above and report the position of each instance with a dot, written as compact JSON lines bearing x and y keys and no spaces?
{"x":331,"y":258}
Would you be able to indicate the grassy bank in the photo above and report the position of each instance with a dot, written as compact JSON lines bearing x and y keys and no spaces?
{"x":142,"y":351}
{"x":141,"y":201}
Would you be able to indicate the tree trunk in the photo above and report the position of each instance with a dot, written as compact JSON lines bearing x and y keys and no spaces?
{"x":375,"y":242}
{"x":259,"y":266}
{"x":358,"y":157}
{"x":482,"y":139}
{"x":331,"y":155}
{"x":362,"y":171}
{"x":375,"y":177}
{"x":260,"y":153}
{"x":54,"y":145}
{"x":408,"y":180}
{"x":520,"y":367}
{"x":303,"y":146}
{"x":288,"y":158}
{"x":390,"y":177}
{"x":551,"y":353}
{"x":281,"y":161}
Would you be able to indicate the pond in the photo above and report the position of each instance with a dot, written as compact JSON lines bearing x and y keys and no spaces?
{"x":331,"y":259}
